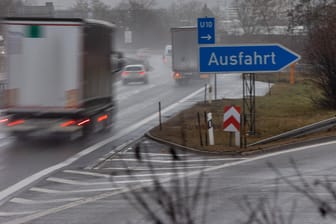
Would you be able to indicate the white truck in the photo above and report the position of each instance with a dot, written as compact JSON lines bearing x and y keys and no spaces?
{"x":60,"y":76}
{"x":185,"y":54}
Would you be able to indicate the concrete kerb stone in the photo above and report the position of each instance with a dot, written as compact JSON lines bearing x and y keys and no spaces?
{"x":148,"y":135}
{"x":249,"y":152}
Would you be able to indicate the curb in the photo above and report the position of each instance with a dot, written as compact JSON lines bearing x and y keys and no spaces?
{"x":290,"y":145}
{"x":246,"y":153}
{"x":229,"y":153}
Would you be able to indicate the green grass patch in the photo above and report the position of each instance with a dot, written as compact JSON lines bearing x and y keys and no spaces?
{"x":287,"y":107}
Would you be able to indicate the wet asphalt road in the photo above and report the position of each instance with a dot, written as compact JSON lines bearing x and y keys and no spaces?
{"x":90,"y":189}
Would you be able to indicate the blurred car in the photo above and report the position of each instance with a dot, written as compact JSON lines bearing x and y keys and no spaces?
{"x":134,"y":73}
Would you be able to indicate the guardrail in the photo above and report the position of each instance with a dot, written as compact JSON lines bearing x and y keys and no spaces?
{"x":319,"y":126}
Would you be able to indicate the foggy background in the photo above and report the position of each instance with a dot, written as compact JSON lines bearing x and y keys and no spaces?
{"x":63,"y":4}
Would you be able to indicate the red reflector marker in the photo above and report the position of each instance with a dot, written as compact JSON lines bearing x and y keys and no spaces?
{"x":142,"y":73}
{"x":4,"y":120}
{"x":83,"y":122}
{"x":68,"y":123}
{"x":101,"y":118}
{"x":13,"y":123}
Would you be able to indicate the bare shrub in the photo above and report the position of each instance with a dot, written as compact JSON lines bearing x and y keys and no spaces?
{"x":173,"y":199}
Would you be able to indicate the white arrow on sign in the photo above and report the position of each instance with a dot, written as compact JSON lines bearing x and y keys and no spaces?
{"x":208,"y":37}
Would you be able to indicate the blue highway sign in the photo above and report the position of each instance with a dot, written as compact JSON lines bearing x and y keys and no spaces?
{"x":245,"y":59}
{"x":206,"y":30}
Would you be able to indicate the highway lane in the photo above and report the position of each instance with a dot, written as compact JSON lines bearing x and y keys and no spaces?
{"x":77,"y":195}
{"x":75,"y":186}
{"x":136,"y":102}
{"x":255,"y":179}
{"x":137,"y":113}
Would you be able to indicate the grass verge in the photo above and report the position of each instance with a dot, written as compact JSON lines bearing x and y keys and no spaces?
{"x":285,"y":108}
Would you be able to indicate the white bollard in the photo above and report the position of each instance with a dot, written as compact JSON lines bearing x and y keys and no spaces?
{"x":210,"y":130}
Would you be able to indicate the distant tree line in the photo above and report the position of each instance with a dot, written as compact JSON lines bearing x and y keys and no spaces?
{"x":149,"y":25}
{"x":316,"y":20}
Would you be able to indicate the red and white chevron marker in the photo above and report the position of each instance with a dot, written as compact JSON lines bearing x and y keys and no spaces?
{"x":231,"y":119}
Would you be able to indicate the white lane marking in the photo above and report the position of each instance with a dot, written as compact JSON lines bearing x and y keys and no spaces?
{"x":174,"y":161}
{"x":8,"y":214}
{"x":148,"y":175}
{"x":43,"y":213}
{"x":153,"y":154}
{"x":96,"y":166}
{"x":118,"y":176}
{"x":74,"y":182}
{"x":49,"y":191}
{"x":35,"y":202}
{"x":2,"y":144}
{"x":43,"y":173}
{"x":157,"y":168}
{"x":129,"y":94}
{"x":86,"y":173}
{"x":82,"y":183}
{"x":45,"y":190}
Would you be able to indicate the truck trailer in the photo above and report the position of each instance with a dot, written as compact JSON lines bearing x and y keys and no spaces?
{"x":60,"y":76}
{"x":185,"y":54}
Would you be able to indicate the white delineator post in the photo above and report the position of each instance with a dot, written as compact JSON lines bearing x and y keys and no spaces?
{"x":210,"y":129}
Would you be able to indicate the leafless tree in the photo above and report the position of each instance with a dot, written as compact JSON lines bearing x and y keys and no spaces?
{"x":82,"y":7}
{"x":100,"y":10}
{"x":185,"y":12}
{"x":326,"y":205}
{"x":267,"y":210}
{"x":141,"y":4}
{"x":258,"y":16}
{"x":270,"y":210}
{"x":174,"y":200}
{"x":318,"y":18}
{"x":9,"y":7}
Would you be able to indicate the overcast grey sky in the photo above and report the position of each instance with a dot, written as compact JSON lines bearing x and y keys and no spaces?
{"x":68,"y":3}
{"x":63,"y":4}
